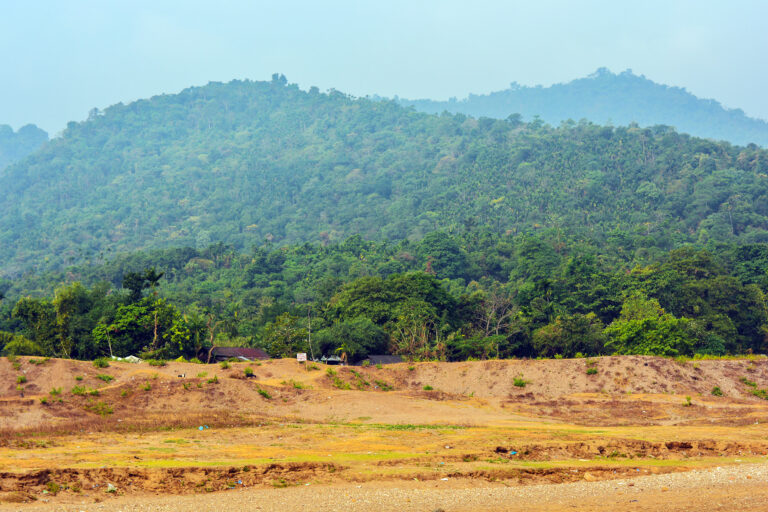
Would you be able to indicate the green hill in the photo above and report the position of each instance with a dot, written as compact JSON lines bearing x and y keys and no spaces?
{"x":620,"y":99}
{"x":245,"y":162}
{"x":16,"y":145}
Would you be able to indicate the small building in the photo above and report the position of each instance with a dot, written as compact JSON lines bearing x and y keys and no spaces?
{"x":218,"y":354}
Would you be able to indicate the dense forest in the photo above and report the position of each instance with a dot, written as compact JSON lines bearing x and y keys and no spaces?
{"x":477,"y":294}
{"x":618,"y":99}
{"x":16,"y":145}
{"x":251,"y":213}
{"x":247,"y":162}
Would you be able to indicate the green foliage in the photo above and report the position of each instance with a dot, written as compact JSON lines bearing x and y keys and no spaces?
{"x":100,"y":408}
{"x":591,"y":371}
{"x":248,"y":371}
{"x":16,"y":145}
{"x":101,"y":362}
{"x":224,"y":365}
{"x":156,"y":362}
{"x":357,"y":338}
{"x":21,"y":379}
{"x":428,"y":388}
{"x":105,"y":378}
{"x":716,"y":391}
{"x":264,"y":393}
{"x":519,"y":382}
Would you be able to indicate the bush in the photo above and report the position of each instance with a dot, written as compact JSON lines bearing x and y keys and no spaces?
{"x":248,"y":371}
{"x":428,"y":388}
{"x":101,"y":362}
{"x":591,"y":371}
{"x":100,"y":408}
{"x":214,"y":380}
{"x":224,"y":365}
{"x":21,"y":379}
{"x":55,"y":391}
{"x":78,"y":390}
{"x":156,"y":362}
{"x":716,"y":391}
{"x":519,"y":382}
{"x":264,"y":393}
{"x":105,"y":378}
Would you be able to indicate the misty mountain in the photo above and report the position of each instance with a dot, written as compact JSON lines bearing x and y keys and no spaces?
{"x":16,"y":145}
{"x":608,"y":98}
{"x":246,"y":163}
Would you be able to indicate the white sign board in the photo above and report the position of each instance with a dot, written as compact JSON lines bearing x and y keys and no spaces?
{"x":301,"y":356}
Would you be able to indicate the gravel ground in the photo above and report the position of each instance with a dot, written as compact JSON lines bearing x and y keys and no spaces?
{"x":742,"y":488}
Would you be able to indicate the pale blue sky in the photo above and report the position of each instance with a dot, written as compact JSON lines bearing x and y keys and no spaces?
{"x":60,"y":58}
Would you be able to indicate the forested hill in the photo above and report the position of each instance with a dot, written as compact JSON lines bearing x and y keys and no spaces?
{"x":245,"y":162}
{"x":16,"y":145}
{"x":618,"y":99}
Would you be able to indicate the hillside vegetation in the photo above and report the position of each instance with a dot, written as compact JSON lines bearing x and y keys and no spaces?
{"x":16,"y":145}
{"x":245,"y":162}
{"x":608,"y":98}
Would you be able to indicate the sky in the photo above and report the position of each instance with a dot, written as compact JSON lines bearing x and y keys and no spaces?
{"x":59,"y":59}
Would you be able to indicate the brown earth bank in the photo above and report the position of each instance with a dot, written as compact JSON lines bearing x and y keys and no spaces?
{"x":81,"y":433}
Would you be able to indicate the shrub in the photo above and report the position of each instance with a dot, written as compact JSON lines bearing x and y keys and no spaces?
{"x":224,"y":365}
{"x":202,"y":375}
{"x":248,"y":371}
{"x":411,"y":368}
{"x":78,"y":390}
{"x":55,"y":391}
{"x":21,"y":379}
{"x":147,"y":386}
{"x":264,"y":393}
{"x":53,"y":488}
{"x":195,"y":360}
{"x":39,"y":361}
{"x":101,"y":362}
{"x":378,"y":366}
{"x":591,"y":371}
{"x":44,"y":401}
{"x":156,"y":362}
{"x":366,"y":363}
{"x":687,"y":402}
{"x":105,"y":377}
{"x":214,"y":380}
{"x":716,"y":391}
{"x":519,"y":382}
{"x":78,"y":378}
{"x":428,"y":388}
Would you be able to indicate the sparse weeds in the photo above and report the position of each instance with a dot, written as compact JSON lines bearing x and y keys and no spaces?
{"x":55,"y":391}
{"x":146,"y":386}
{"x":687,"y":402}
{"x":213,"y":380}
{"x":38,"y":362}
{"x":383,"y":385}
{"x":264,"y":393}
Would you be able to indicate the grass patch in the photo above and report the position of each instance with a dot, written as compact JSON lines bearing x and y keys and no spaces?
{"x":591,"y":371}
{"x":105,"y":377}
{"x":100,"y":408}
{"x":147,"y":386}
{"x":55,"y":391}
{"x":78,"y":390}
{"x":224,"y":365}
{"x":39,"y":362}
{"x":264,"y":393}
{"x":101,"y":362}
{"x":156,"y":362}
{"x":716,"y":391}
{"x":519,"y":382}
{"x":21,"y":379}
{"x":214,"y":380}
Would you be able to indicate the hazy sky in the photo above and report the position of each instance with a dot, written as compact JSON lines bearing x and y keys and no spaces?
{"x":60,"y":58}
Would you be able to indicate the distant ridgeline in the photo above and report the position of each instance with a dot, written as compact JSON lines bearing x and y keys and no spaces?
{"x":16,"y":145}
{"x":604,"y":97}
{"x":247,"y":162}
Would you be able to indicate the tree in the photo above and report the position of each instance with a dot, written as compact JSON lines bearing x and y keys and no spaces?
{"x":285,"y":337}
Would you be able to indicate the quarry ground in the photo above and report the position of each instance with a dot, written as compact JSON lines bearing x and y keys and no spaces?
{"x":635,"y":433}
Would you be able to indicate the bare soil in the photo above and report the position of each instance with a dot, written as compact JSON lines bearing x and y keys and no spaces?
{"x":189,"y":429}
